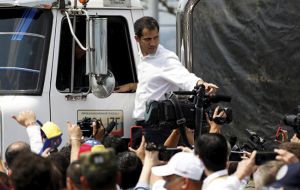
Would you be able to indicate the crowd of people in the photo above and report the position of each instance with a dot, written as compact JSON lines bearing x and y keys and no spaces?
{"x":106,"y":162}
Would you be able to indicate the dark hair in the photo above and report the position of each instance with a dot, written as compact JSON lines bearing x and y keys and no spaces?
{"x":61,"y":163}
{"x":100,"y":169}
{"x":291,"y":147}
{"x":4,"y":181}
{"x":14,"y":149}
{"x":130,"y":167}
{"x":117,"y":143}
{"x":213,"y":151}
{"x":74,"y":172}
{"x":145,"y":22}
{"x":30,"y":171}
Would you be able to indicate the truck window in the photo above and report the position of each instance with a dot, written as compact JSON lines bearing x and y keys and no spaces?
{"x":24,"y":37}
{"x":120,"y":57}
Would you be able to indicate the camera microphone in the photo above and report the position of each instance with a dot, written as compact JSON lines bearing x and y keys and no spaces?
{"x":109,"y":128}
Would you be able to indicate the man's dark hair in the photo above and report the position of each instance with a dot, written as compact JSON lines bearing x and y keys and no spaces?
{"x":130,"y":166}
{"x":30,"y":171}
{"x":61,"y":163}
{"x":14,"y":149}
{"x":212,"y":149}
{"x":117,"y":143}
{"x":74,"y":172}
{"x":4,"y":181}
{"x":100,"y":169}
{"x":145,"y":22}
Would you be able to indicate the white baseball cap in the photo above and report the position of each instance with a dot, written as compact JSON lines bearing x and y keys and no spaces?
{"x":182,"y":164}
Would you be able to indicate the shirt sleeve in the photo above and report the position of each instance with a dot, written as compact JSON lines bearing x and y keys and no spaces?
{"x":35,"y":138}
{"x":176,"y":73}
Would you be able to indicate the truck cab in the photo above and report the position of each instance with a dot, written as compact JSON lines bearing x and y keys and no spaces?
{"x":48,"y":63}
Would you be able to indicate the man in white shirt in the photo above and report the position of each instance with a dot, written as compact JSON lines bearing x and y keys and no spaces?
{"x":159,"y":70}
{"x":213,"y":150}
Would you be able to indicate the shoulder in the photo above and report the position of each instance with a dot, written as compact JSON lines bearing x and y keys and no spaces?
{"x":169,"y":56}
{"x":162,"y":50}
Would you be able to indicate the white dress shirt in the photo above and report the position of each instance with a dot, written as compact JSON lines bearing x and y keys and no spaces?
{"x":221,"y":181}
{"x":158,"y":74}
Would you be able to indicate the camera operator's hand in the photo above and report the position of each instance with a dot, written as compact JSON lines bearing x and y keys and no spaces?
{"x":210,"y":88}
{"x":26,"y":118}
{"x":214,"y":127}
{"x":246,"y":167}
{"x":140,"y":152}
{"x":286,"y":156}
{"x":295,"y":139}
{"x":98,"y":130}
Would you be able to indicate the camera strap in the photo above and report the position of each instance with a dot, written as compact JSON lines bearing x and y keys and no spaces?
{"x":180,"y":120}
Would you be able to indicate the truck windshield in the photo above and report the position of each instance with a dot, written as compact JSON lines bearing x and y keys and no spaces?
{"x":24,"y":37}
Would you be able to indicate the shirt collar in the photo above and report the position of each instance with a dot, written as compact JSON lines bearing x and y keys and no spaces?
{"x":142,"y":57}
{"x":215,"y":175}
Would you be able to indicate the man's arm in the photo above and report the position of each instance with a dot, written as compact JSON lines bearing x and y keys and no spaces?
{"x":28,"y":120}
{"x":129,"y":87}
{"x":210,"y":88}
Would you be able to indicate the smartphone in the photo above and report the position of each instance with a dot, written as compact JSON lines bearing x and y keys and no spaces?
{"x":165,"y":154}
{"x":136,"y":134}
{"x":279,"y":137}
{"x":262,"y":157}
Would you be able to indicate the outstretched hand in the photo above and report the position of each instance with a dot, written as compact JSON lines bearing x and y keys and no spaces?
{"x":140,"y":152}
{"x":25,"y":118}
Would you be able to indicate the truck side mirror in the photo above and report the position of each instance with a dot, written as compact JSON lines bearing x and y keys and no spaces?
{"x":102,"y":81}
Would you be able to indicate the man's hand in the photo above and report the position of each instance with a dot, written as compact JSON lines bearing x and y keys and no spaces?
{"x":246,"y":167}
{"x":130,"y":87}
{"x":286,"y":156}
{"x":140,"y":152}
{"x":74,"y":131}
{"x":214,"y":127}
{"x":210,"y":88}
{"x":295,"y":139}
{"x":25,"y":118}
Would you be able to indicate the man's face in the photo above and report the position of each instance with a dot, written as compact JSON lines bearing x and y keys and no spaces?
{"x":148,"y":41}
{"x":173,"y":182}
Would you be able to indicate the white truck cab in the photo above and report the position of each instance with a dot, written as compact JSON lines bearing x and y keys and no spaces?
{"x":44,"y":69}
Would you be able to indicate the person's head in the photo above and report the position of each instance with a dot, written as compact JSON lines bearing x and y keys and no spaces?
{"x":73,"y":176}
{"x":13,"y":150}
{"x":4,"y":181}
{"x":266,"y":173}
{"x":30,"y":171}
{"x":291,"y":147}
{"x":183,"y":171}
{"x":117,"y":143}
{"x":130,"y":167}
{"x":99,"y":170}
{"x":212,"y":149}
{"x":147,"y":34}
{"x":60,"y":164}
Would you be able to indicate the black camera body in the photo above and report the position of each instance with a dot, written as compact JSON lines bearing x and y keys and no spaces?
{"x":164,"y":153}
{"x":294,"y":122}
{"x":166,"y":113}
{"x":86,"y":126}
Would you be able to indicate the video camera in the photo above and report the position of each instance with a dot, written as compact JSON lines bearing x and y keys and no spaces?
{"x":180,"y":107}
{"x":164,"y":153}
{"x":293,"y":121}
{"x":86,"y":126}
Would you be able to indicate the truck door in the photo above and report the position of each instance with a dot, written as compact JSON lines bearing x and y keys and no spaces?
{"x":70,"y":98}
